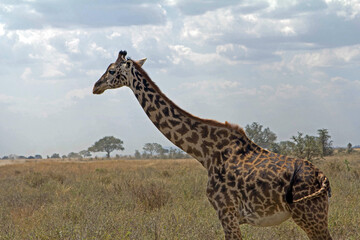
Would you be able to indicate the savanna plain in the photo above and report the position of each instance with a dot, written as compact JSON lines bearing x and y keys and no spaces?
{"x":145,"y":199}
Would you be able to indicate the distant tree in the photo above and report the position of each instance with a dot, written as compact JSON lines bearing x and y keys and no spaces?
{"x":312,"y":149}
{"x":38,"y":156}
{"x":299,"y":145}
{"x":145,"y":155}
{"x":172,"y":152}
{"x":74,"y":155}
{"x":13,"y":156}
{"x":137,"y":154}
{"x":149,"y":149}
{"x":30,"y":157}
{"x":63,"y":156}
{"x":85,"y":153}
{"x":325,"y":143}
{"x":283,"y":147}
{"x":177,"y":153}
{"x":159,"y":150}
{"x":349,"y":148}
{"x":55,"y":155}
{"x":263,"y":137}
{"x":306,"y":147}
{"x":163,"y":153}
{"x":107,"y":144}
{"x":5,"y":157}
{"x":154,"y":150}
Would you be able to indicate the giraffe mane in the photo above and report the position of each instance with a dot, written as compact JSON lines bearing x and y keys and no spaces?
{"x":228,"y":125}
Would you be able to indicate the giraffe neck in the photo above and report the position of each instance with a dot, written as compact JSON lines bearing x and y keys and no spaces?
{"x":208,"y":141}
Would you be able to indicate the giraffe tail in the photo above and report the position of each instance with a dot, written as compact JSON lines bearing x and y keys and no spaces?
{"x":325,"y":188}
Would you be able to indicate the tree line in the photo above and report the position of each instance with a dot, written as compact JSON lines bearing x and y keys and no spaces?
{"x":150,"y":150}
{"x":109,"y":144}
{"x":300,"y":145}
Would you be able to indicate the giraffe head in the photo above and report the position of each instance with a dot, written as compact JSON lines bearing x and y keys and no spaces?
{"x":118,"y":74}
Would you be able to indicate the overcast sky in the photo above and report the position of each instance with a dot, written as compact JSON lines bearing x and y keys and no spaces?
{"x":289,"y":65}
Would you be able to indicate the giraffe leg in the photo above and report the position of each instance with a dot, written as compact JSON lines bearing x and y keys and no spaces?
{"x":312,"y":216}
{"x":229,"y":218}
{"x":227,"y":211}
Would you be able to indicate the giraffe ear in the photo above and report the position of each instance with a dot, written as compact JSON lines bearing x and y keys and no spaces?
{"x":141,"y":61}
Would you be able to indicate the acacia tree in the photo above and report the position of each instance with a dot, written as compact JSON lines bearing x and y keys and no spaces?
{"x":137,"y":154}
{"x":107,"y":144}
{"x":349,"y":148}
{"x":149,"y":149}
{"x":160,"y":151}
{"x":85,"y":153}
{"x":263,"y":137}
{"x":74,"y":155}
{"x":177,"y":153}
{"x":154,"y":150}
{"x":283,"y":147}
{"x":306,"y":147}
{"x":55,"y":155}
{"x":325,"y":142}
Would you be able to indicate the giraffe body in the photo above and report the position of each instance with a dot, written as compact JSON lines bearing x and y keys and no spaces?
{"x":246,"y":183}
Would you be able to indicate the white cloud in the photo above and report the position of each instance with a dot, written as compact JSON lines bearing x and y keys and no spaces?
{"x":37,"y":48}
{"x":36,"y":37}
{"x":212,"y":85}
{"x":73,"y":45}
{"x":99,"y":50}
{"x":287,"y":91}
{"x":51,"y":70}
{"x":232,"y":51}
{"x":114,"y":35}
{"x":338,"y":88}
{"x":323,"y":58}
{"x":348,"y":9}
{"x":288,"y":31}
{"x":230,"y":23}
{"x":40,"y":14}
{"x":5,"y":98}
{"x":2,"y":29}
{"x":26,"y":74}
{"x":181,"y":53}
{"x":79,"y":93}
{"x":199,"y":7}
{"x":210,"y":25}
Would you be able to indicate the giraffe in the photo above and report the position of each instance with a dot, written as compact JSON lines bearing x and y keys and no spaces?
{"x":246,"y":183}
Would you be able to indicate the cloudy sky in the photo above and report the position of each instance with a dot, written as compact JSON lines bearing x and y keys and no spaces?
{"x":289,"y":65}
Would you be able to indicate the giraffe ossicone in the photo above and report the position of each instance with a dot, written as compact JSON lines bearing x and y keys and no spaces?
{"x":246,"y":183}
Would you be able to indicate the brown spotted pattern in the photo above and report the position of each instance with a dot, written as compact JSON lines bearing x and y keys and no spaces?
{"x":246,"y":184}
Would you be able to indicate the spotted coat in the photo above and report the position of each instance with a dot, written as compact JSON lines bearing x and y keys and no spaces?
{"x":246,"y":183}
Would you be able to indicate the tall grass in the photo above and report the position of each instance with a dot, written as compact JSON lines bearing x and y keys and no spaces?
{"x":144,"y":199}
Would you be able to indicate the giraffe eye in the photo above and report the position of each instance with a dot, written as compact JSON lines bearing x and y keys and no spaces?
{"x":112,"y":72}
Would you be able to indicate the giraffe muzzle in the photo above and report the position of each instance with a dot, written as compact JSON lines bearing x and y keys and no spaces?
{"x":99,"y":87}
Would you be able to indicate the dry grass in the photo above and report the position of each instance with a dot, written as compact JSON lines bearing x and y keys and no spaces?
{"x":144,"y":199}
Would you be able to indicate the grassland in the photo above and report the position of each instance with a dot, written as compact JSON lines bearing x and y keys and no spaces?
{"x":144,"y":199}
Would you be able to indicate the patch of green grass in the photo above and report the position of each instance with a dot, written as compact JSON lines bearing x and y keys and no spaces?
{"x":144,"y":199}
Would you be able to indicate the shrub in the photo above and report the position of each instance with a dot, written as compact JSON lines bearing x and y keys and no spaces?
{"x":150,"y":194}
{"x":36,"y":179}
